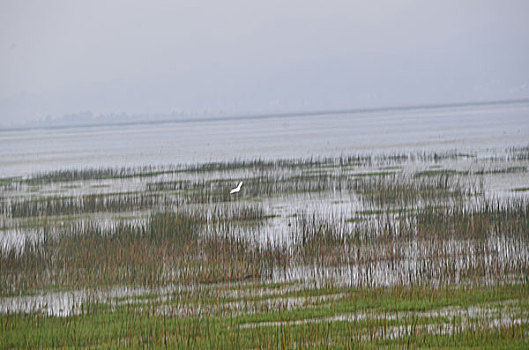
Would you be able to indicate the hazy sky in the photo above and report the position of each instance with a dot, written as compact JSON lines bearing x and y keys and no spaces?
{"x":59,"y":57}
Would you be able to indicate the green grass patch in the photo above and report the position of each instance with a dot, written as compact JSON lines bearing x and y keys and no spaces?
{"x":163,"y":325}
{"x":373,"y":174}
{"x":355,"y":220}
{"x":435,"y":172}
{"x":520,"y":189}
{"x":369,"y":212}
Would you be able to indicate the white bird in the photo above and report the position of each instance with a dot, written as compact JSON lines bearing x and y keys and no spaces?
{"x":236,"y":189}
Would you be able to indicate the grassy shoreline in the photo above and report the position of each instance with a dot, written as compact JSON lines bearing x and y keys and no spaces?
{"x":395,"y":316}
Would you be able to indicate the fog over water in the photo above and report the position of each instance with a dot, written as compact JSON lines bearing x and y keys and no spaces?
{"x":485,"y":128}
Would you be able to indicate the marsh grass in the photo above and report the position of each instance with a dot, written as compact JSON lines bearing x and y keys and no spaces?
{"x":521,"y":189}
{"x":407,"y":258}
{"x":168,"y":249}
{"x":53,"y":206}
{"x":199,"y":232}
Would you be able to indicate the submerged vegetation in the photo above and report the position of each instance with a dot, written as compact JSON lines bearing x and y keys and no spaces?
{"x":400,"y":250}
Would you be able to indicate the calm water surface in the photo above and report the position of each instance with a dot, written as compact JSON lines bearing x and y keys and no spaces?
{"x":470,"y":128}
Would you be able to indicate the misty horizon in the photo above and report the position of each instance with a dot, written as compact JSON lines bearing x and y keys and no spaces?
{"x":87,"y":118}
{"x":59,"y":58}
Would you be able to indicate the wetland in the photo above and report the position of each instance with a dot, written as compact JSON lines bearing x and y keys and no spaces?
{"x":404,"y":248}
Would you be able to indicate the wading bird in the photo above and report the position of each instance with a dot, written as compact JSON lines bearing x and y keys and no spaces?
{"x":236,"y":189}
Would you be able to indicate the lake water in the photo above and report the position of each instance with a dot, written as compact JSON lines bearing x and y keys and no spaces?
{"x":481,"y":128}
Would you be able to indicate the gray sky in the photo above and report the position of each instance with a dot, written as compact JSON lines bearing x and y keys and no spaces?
{"x":60,"y":57}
